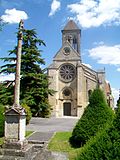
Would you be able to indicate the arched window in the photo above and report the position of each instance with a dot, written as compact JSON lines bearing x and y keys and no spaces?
{"x":67,"y":93}
{"x":69,"y":39}
{"x":75,"y":43}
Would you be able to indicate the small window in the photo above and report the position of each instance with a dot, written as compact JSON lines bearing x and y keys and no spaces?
{"x":74,"y":41}
{"x":66,"y":92}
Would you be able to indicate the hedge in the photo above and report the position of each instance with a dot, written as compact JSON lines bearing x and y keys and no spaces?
{"x":96,"y":116}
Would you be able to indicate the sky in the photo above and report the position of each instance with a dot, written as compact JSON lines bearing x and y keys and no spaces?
{"x":99,"y":21}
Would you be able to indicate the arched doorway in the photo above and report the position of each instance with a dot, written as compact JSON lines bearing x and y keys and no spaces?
{"x":67,"y":95}
{"x":67,"y":109}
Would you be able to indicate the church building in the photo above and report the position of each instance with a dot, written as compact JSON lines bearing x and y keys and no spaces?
{"x":71,"y":80}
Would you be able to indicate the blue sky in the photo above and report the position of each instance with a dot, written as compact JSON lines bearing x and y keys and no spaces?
{"x":99,"y":21}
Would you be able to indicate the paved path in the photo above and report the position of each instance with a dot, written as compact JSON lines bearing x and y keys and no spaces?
{"x":52,"y":124}
{"x":40,"y":137}
{"x":45,"y":127}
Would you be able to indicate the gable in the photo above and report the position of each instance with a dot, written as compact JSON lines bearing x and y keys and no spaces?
{"x":63,"y":54}
{"x":12,"y":111}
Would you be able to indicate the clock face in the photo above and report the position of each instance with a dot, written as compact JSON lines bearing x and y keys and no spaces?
{"x":67,"y":72}
{"x":66,"y":50}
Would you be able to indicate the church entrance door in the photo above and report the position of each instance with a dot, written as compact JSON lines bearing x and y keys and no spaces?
{"x":67,"y":109}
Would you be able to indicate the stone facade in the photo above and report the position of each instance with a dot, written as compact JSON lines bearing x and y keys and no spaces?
{"x":70,"y":78}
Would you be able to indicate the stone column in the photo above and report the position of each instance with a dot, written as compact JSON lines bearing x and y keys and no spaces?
{"x":80,"y":91}
{"x":15,"y":118}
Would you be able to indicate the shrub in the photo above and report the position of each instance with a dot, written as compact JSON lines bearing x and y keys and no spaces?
{"x":28,"y":112}
{"x":105,"y":145}
{"x":2,"y":120}
{"x":44,"y":109}
{"x":96,"y":115}
{"x":117,"y":120}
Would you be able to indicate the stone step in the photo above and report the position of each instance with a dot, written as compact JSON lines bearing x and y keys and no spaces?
{"x":32,"y":152}
{"x":14,"y":152}
{"x":11,"y":158}
{"x":34,"y":156}
{"x":26,"y":152}
{"x":39,"y":155}
{"x":36,"y":142}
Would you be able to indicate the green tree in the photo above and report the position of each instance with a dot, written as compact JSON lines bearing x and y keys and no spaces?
{"x":28,"y":113}
{"x":105,"y":145}
{"x":117,"y":120}
{"x":34,"y":80}
{"x":118,"y":102}
{"x":6,"y":93}
{"x":96,"y":115}
{"x":2,"y":120}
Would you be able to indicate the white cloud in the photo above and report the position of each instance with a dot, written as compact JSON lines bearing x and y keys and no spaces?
{"x":55,"y":6}
{"x":9,"y":77}
{"x":88,"y":65}
{"x":118,"y":69}
{"x":106,"y":54}
{"x":98,"y":43}
{"x":92,"y":13}
{"x":115,"y":93}
{"x":14,"y":16}
{"x":107,"y":81}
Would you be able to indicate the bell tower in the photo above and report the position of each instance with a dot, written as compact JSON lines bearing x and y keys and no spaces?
{"x":72,"y":33}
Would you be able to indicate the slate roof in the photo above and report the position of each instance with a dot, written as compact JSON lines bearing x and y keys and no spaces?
{"x":15,"y":110}
{"x":71,"y":25}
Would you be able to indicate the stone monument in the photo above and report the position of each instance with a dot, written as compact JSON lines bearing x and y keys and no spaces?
{"x":15,"y":118}
{"x":16,"y":147}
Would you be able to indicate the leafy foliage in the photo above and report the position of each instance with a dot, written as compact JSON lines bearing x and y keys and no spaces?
{"x":118,"y":103}
{"x":96,"y":115}
{"x":34,"y":80}
{"x":6,"y":93}
{"x":28,"y":113}
{"x":105,"y":145}
{"x":2,"y":120}
{"x":117,"y":120}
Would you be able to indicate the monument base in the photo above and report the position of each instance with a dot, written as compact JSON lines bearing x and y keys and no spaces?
{"x":11,"y":151}
{"x":15,"y":144}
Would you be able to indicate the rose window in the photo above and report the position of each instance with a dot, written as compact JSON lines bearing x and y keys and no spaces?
{"x":67,"y":72}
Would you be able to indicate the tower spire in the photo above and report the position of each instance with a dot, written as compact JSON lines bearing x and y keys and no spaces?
{"x":71,"y":33}
{"x":71,"y":25}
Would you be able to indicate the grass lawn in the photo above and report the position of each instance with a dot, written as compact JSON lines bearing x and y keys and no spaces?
{"x":28,"y":133}
{"x":60,"y":143}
